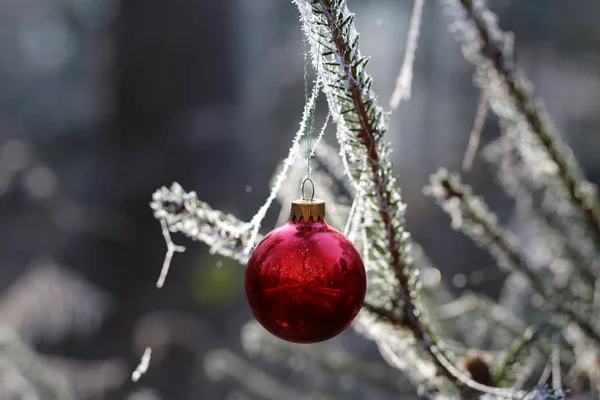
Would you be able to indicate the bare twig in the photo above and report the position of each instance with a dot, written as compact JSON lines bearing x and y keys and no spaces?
{"x":556,"y":379}
{"x":480,"y":115}
{"x":499,"y":242}
{"x":172,"y":248}
{"x":143,"y":365}
{"x":404,"y":80}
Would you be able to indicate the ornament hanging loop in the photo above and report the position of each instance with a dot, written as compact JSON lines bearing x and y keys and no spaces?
{"x":312,"y":196}
{"x":307,"y":208}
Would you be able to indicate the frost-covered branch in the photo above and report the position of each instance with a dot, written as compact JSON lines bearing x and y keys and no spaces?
{"x":472,"y":216}
{"x":484,"y":44}
{"x":183,"y":212}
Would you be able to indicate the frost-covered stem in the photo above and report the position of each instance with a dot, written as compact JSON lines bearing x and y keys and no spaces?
{"x":545,"y":374}
{"x":143,"y":365}
{"x":480,"y":115}
{"x":172,"y":248}
{"x":556,"y":380}
{"x":287,"y":163}
{"x":528,"y":108}
{"x":499,"y":239}
{"x":404,"y":80}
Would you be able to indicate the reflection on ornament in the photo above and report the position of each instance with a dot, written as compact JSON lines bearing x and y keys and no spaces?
{"x":305,"y":281}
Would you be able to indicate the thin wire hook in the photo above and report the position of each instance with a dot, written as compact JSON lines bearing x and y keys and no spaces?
{"x":313,"y":189}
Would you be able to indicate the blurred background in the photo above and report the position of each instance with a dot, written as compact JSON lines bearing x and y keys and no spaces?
{"x":104,"y":101}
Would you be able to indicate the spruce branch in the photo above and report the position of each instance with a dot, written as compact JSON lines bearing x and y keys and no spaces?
{"x":472,"y":216}
{"x":353,"y":106}
{"x":330,"y":28}
{"x":484,"y":45}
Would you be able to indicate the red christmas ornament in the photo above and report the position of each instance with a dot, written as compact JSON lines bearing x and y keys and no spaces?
{"x":305,"y":281}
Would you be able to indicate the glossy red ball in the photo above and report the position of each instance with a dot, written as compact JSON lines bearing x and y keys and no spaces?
{"x":305,"y":281}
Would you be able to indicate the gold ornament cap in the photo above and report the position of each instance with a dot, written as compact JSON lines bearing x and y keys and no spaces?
{"x":308,"y":208}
